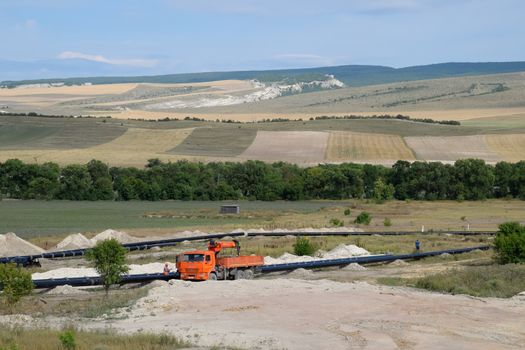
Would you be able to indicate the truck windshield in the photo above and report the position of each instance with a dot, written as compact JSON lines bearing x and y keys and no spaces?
{"x":192,"y":257}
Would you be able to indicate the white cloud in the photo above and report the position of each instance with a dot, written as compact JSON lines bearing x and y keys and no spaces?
{"x":30,"y":24}
{"x":134,"y":62}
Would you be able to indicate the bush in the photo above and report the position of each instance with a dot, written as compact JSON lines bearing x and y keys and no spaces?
{"x":303,"y":246}
{"x":109,"y":259}
{"x":509,"y":243}
{"x":387,"y":222}
{"x":67,"y":339}
{"x":363,"y":218}
{"x":347,"y":212}
{"x":336,"y":222}
{"x":15,"y":283}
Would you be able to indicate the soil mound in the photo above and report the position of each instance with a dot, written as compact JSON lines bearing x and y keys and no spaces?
{"x":354,"y":267}
{"x":66,"y":290}
{"x":398,"y":263}
{"x":74,"y":241}
{"x":345,"y":251}
{"x":122,"y":237}
{"x":301,"y":273}
{"x":12,"y":245}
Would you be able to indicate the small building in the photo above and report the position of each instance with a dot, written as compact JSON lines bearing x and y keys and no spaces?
{"x":230,"y":209}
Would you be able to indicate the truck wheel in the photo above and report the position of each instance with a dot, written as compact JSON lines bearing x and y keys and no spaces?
{"x":239,"y":275}
{"x":248,"y":274}
{"x":212,"y":276}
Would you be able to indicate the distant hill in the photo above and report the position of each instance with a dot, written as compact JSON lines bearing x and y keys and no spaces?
{"x":352,"y":75}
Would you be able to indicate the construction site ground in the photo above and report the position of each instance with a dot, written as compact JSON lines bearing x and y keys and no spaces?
{"x":331,"y":308}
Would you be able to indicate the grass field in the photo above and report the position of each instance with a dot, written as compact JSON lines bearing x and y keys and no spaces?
{"x":344,"y":146}
{"x":40,"y":220}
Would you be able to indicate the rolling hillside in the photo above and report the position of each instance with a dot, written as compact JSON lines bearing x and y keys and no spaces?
{"x":352,"y":75}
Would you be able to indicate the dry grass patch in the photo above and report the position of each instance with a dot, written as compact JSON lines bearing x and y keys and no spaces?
{"x":346,"y":146}
{"x":451,"y":148}
{"x":510,"y":147}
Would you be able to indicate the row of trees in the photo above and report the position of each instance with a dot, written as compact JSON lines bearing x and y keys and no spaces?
{"x":469,"y":179}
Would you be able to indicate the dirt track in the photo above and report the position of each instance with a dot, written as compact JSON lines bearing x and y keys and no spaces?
{"x":299,"y":314}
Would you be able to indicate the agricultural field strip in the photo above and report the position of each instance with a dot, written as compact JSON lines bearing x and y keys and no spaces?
{"x":292,"y":146}
{"x":510,"y":148}
{"x":134,"y":147}
{"x":361,"y":146}
{"x":451,"y":148}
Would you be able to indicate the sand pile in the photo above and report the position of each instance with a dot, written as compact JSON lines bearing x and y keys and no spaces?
{"x":12,"y":245}
{"x":345,"y":251}
{"x":122,"y":237}
{"x":340,"y":252}
{"x":398,"y":263}
{"x":69,"y":272}
{"x":74,"y":241}
{"x":66,"y":289}
{"x":354,"y":267}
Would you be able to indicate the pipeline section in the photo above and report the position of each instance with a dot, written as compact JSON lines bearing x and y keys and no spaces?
{"x":27,"y":260}
{"x":143,"y":278}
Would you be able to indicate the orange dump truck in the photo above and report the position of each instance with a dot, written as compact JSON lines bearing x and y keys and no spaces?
{"x":201,"y":265}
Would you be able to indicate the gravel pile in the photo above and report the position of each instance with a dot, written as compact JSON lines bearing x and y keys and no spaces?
{"x":12,"y":245}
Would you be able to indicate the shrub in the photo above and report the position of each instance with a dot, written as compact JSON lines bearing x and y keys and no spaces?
{"x":336,"y":222}
{"x":387,"y":222}
{"x":303,"y":246}
{"x":363,"y":218}
{"x":509,"y":243}
{"x":15,"y":283}
{"x":109,"y":259}
{"x":67,"y":339}
{"x":347,"y":212}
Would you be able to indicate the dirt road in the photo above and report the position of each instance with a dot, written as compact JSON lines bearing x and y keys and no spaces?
{"x":299,"y":314}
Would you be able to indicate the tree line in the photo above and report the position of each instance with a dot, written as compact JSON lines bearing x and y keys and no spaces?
{"x":468,"y":179}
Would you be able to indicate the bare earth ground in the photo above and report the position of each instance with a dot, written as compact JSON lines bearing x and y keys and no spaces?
{"x":299,"y":314}
{"x":291,"y":146}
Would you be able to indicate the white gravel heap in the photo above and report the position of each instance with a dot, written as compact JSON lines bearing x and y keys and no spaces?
{"x":339,"y":252}
{"x":11,"y":245}
{"x":66,"y":289}
{"x":74,"y":241}
{"x":122,"y":237}
{"x":69,"y":272}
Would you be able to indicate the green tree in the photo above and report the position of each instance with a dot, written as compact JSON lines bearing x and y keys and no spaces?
{"x":383,"y":191}
{"x":75,"y":183}
{"x":509,"y":243}
{"x":15,"y":283}
{"x":109,"y":259}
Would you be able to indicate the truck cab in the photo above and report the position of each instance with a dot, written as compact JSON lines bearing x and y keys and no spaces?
{"x":196,"y":265}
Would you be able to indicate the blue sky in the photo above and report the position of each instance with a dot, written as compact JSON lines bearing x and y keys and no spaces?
{"x":172,"y":36}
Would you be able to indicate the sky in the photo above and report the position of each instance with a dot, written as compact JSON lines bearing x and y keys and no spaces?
{"x":40,"y":38}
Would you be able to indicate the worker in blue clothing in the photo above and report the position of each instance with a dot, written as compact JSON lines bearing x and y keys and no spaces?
{"x":418,"y":244}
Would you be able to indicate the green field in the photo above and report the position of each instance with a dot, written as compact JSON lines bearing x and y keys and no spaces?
{"x":33,"y":219}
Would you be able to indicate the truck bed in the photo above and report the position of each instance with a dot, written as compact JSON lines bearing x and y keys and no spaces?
{"x":240,"y":261}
